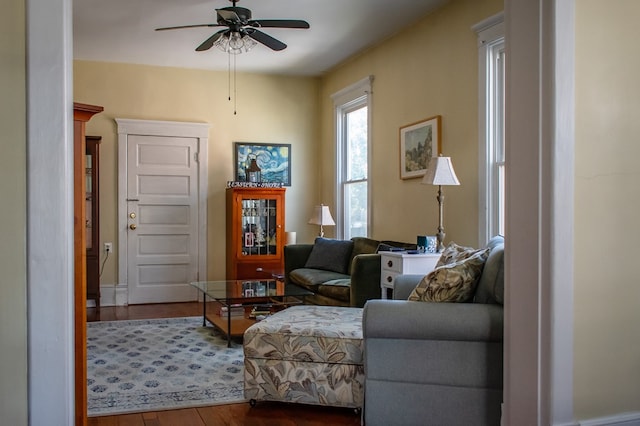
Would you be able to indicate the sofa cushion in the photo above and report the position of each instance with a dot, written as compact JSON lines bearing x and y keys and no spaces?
{"x":312,"y":278}
{"x":455,"y":282}
{"x":455,"y":253}
{"x":491,"y":285}
{"x":363,"y":245}
{"x":336,"y":289}
{"x":330,"y":255}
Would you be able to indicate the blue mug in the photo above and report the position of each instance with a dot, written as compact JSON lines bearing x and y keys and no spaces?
{"x":422,"y":243}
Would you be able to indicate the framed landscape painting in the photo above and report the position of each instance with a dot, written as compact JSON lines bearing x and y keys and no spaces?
{"x":418,"y":143}
{"x":273,"y":159}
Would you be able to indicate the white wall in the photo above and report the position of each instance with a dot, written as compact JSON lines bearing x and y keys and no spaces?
{"x":607,"y":201}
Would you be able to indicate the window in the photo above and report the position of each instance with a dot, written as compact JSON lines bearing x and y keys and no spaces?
{"x":352,"y":114}
{"x":491,"y":54}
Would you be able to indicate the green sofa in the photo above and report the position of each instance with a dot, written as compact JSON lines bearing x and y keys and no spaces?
{"x":338,"y":272}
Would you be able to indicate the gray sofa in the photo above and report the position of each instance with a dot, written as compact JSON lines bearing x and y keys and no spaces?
{"x":338,"y":272}
{"x":436,"y":363}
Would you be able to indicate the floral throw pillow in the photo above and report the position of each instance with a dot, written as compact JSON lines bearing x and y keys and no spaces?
{"x":455,"y":282}
{"x":455,"y":253}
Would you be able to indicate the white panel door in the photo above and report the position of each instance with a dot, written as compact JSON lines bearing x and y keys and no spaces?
{"x":162,"y":218}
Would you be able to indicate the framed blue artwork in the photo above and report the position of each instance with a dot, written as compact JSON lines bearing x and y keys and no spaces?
{"x":274,"y":161}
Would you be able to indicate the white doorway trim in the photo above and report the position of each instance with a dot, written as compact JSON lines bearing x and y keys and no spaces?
{"x":49,"y":168}
{"x":128,"y":127}
{"x":538,"y":370}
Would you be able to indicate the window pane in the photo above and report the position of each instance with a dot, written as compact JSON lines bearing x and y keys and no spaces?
{"x":501,"y":192}
{"x":356,"y":134}
{"x":499,"y":103}
{"x":355,"y":212}
{"x":352,"y":140}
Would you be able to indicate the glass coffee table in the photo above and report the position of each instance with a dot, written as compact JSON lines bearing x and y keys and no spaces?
{"x":231,"y":305}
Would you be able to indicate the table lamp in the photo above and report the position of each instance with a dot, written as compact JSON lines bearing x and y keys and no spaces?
{"x":321,"y":216}
{"x":440,"y":172}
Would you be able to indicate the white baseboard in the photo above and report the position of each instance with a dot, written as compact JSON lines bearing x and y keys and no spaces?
{"x":113,"y":295}
{"x":623,"y":419}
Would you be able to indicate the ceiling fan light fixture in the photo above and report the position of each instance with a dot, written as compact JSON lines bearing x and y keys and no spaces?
{"x":235,"y":43}
{"x":248,"y":42}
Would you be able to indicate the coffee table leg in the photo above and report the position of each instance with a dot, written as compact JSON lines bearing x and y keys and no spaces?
{"x":204,"y":310}
{"x":229,"y":326}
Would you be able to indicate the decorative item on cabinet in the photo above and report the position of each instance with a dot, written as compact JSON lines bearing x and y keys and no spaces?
{"x":253,"y":172}
{"x":255,"y":232}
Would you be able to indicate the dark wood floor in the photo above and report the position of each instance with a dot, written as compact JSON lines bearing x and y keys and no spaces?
{"x":263,"y":414}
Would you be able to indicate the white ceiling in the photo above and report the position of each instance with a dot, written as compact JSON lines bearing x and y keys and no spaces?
{"x":123,"y":31}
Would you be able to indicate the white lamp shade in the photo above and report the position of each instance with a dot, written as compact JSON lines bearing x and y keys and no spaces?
{"x":321,"y":216}
{"x":440,"y":172}
{"x":289,"y":237}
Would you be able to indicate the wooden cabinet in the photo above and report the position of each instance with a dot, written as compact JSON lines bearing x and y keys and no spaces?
{"x":81,"y":114}
{"x":255,"y":232}
{"x":92,"y":203}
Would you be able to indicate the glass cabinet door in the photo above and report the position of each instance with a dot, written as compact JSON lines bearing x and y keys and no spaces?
{"x":89,"y":200}
{"x":259,"y":227}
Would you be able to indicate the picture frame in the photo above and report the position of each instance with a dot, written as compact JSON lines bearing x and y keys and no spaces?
{"x":419,"y":142}
{"x":274,"y":160}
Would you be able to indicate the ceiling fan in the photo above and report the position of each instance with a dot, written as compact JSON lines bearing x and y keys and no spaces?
{"x":241,"y":31}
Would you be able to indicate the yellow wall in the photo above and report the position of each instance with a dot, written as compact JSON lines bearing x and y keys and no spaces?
{"x":607,"y":201}
{"x":429,"y":69}
{"x":13,"y":214}
{"x":270,"y":109}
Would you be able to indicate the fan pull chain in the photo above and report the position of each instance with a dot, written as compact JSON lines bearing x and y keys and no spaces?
{"x":235,"y":87}
{"x":229,"y":75}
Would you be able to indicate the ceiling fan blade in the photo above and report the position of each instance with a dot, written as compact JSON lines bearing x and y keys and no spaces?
{"x":228,"y":15}
{"x":267,"y":40}
{"x":279,"y":23}
{"x":208,"y":43}
{"x":187,"y":26}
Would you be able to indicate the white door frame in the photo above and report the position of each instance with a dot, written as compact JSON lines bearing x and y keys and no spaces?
{"x":128,"y":127}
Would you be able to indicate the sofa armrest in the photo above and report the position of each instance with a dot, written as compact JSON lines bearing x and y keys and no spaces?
{"x":396,"y":319}
{"x":365,"y":279}
{"x":403,"y":285}
{"x":295,"y":256}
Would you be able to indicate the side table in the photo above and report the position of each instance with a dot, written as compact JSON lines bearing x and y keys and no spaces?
{"x":396,"y":263}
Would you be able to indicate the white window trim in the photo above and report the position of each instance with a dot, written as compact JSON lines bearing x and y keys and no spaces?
{"x":344,"y":100}
{"x":489,"y":31}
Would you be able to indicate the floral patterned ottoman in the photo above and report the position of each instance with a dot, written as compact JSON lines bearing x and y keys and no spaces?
{"x":306,"y":354}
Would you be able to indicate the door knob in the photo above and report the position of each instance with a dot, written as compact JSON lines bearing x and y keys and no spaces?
{"x":132,"y":226}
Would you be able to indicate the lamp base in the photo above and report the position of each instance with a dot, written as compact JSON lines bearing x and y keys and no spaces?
{"x":440,"y":235}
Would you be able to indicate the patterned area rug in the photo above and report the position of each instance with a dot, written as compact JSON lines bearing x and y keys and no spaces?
{"x":160,"y":364}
